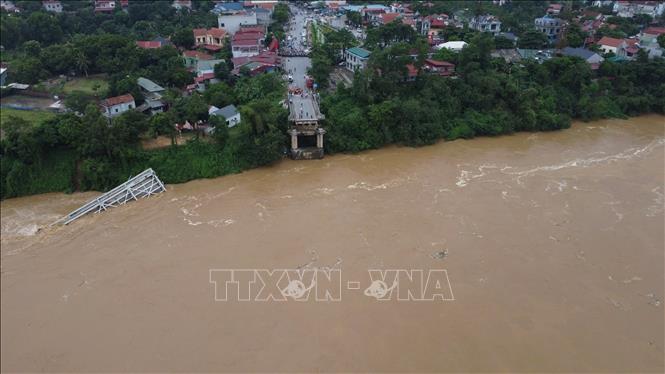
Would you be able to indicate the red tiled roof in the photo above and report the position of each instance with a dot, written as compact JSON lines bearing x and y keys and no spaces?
{"x":631,"y":42}
{"x":204,"y":77}
{"x":148,"y":44}
{"x":438,"y":63}
{"x":268,"y":6}
{"x":211,"y":47}
{"x":386,"y":18}
{"x":255,"y":28}
{"x":197,"y":55}
{"x":655,"y":30}
{"x":199,"y":32}
{"x":111,"y":101}
{"x":217,"y":32}
{"x":612,"y":42}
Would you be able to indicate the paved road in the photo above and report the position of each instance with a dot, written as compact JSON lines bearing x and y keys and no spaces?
{"x":302,"y":105}
{"x":297,"y":66}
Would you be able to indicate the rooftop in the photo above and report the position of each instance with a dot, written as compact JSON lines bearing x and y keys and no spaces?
{"x":122,"y":99}
{"x":360,"y":52}
{"x":149,"y":85}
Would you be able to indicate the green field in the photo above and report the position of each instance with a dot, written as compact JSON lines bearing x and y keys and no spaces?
{"x":86,"y":85}
{"x":32,"y":116}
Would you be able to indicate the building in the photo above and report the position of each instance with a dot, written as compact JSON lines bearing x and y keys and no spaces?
{"x":629,"y":9}
{"x":230,"y":114}
{"x":182,"y":4}
{"x":3,"y":76}
{"x":52,"y":6}
{"x":455,"y":46}
{"x":9,"y":7}
{"x":264,"y":62}
{"x":356,"y":58}
{"x":247,"y":42}
{"x":263,"y":16}
{"x":486,"y":23}
{"x":153,"y":96}
{"x":554,"y":9}
{"x":115,"y":106}
{"x":550,"y":26}
{"x":232,"y":22}
{"x":210,"y":39}
{"x":192,"y":58}
{"x":153,"y":44}
{"x":443,"y":68}
{"x":649,"y":36}
{"x":592,"y":58}
{"x":104,"y":6}
{"x":612,"y":45}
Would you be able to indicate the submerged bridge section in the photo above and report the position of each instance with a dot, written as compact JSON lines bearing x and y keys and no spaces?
{"x":143,"y":185}
{"x":305,"y":130}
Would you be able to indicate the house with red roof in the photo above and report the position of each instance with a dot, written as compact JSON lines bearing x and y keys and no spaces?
{"x":612,"y":45}
{"x":443,"y":68}
{"x":264,"y":62}
{"x":153,"y":44}
{"x":247,"y":42}
{"x":649,"y":37}
{"x":115,"y":106}
{"x":210,"y":39}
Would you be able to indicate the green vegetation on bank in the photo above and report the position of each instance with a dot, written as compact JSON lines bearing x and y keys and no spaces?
{"x":384,"y":105}
{"x":33,"y":117}
{"x":67,"y":152}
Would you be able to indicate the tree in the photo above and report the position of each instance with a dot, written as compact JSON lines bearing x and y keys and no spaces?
{"x":29,"y":70}
{"x":44,"y":28}
{"x":184,"y":38}
{"x":575,"y":36}
{"x":32,"y":48}
{"x":502,"y":42}
{"x":219,"y":95}
{"x":532,"y":39}
{"x":354,"y":18}
{"x":78,"y":101}
{"x":220,"y":132}
{"x":163,"y":124}
{"x":81,"y":62}
{"x":661,"y":40}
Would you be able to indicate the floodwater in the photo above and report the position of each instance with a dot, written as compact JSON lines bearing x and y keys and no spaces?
{"x":553,"y":244}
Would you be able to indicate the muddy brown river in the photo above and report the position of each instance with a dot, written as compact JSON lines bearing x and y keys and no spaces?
{"x":553,"y":244}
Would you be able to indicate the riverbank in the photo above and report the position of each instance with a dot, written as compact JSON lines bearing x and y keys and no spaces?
{"x":173,"y":165}
{"x":552,"y":243}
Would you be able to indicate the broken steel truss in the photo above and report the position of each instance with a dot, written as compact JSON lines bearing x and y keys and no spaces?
{"x":143,"y":185}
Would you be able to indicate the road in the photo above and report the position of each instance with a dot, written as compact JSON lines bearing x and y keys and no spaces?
{"x":302,"y":105}
{"x":297,"y":66}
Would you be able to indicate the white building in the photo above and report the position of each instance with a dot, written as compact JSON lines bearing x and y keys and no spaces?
{"x":52,"y":6}
{"x":356,"y":58}
{"x":455,"y":46}
{"x":115,"y":106}
{"x":182,"y":4}
{"x":486,"y":23}
{"x":229,"y":112}
{"x":629,"y":9}
{"x":231,"y":22}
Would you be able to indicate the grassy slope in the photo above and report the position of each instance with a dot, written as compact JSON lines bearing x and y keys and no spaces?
{"x":32,"y":116}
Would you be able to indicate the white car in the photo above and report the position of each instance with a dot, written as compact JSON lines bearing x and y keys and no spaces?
{"x":290,"y":78}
